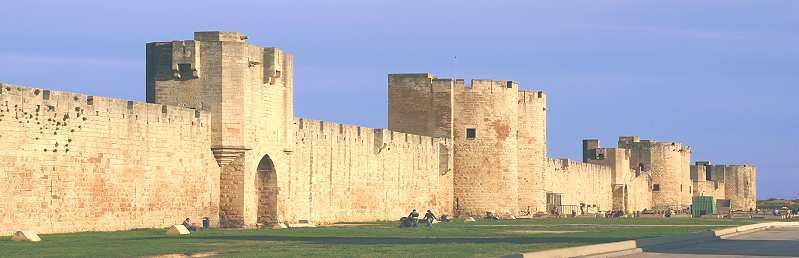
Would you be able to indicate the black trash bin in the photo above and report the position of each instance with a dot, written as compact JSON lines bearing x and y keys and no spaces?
{"x":206,"y":223}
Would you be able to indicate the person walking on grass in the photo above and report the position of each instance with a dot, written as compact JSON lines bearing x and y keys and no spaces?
{"x":429,"y":217}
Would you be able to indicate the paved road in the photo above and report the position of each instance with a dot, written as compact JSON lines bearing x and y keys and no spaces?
{"x":779,"y":242}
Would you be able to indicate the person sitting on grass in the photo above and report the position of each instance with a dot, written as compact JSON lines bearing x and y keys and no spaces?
{"x":191,"y":226}
{"x":414,"y":218}
{"x":429,"y":217}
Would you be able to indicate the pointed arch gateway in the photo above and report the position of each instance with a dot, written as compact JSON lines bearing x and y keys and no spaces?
{"x":266,"y":191}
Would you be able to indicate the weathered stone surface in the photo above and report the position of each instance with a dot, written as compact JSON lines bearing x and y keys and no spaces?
{"x":71,"y":162}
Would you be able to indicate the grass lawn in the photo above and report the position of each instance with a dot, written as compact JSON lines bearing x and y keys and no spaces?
{"x":375,"y":239}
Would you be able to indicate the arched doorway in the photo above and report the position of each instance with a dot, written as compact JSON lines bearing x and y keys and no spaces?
{"x":266,"y":187}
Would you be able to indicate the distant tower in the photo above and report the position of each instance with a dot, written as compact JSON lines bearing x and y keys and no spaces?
{"x":249,"y":92}
{"x":669,"y":164}
{"x":740,"y":186}
{"x":590,"y":148}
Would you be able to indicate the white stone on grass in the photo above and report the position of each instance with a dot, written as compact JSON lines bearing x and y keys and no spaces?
{"x":28,"y":236}
{"x":177,"y":230}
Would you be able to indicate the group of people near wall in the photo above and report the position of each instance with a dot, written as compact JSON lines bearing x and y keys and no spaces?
{"x":412,"y":220}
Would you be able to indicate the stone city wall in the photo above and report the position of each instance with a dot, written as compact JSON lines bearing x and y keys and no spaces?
{"x":350,"y":173}
{"x":631,"y":186}
{"x":585,"y":183}
{"x":639,"y":193}
{"x":71,"y":162}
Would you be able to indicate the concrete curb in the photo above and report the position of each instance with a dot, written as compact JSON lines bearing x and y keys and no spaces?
{"x":615,"y":249}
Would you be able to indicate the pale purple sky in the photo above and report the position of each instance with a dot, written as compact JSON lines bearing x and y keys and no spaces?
{"x":721,"y":76}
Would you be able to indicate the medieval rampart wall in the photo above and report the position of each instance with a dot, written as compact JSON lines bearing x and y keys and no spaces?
{"x":344,"y":172}
{"x":585,"y":183}
{"x":71,"y":162}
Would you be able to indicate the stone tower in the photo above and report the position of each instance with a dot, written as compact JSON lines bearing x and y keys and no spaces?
{"x":669,"y":164}
{"x":248,"y":91}
{"x":486,"y":147}
{"x":532,"y":144}
{"x":420,"y":104}
{"x":739,"y":185}
{"x":498,"y":132}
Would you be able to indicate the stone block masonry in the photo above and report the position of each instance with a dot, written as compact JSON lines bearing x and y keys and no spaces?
{"x":485,"y":148}
{"x":350,"y":173}
{"x":579,"y":183}
{"x":72,"y":162}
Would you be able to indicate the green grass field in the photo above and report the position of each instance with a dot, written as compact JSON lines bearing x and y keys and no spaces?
{"x":376,"y":239}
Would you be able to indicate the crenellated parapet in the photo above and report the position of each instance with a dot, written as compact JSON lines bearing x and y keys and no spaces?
{"x":380,"y":139}
{"x":77,"y":107}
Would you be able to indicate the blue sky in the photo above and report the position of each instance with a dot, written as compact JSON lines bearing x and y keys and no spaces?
{"x":721,"y":76}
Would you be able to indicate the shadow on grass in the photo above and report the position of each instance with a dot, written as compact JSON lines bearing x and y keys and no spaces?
{"x":420,"y":240}
{"x":783,"y":248}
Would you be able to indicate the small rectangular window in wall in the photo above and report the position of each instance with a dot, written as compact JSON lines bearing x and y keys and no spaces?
{"x":656,"y":188}
{"x":471,"y":133}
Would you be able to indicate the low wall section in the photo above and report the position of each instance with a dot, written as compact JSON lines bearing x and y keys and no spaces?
{"x":579,"y":183}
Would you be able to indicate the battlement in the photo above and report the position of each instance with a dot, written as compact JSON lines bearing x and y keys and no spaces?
{"x":629,"y":141}
{"x":379,"y":136}
{"x":702,"y":163}
{"x":220,"y":36}
{"x":739,"y":165}
{"x":563,"y":164}
{"x":486,"y":86}
{"x":411,"y":75}
{"x":69,"y":102}
{"x":532,"y":96}
{"x":474,"y":84}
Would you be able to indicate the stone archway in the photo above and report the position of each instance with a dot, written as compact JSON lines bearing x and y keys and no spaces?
{"x":266,"y":191}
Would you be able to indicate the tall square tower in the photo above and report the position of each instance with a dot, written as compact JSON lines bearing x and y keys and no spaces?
{"x":248,"y":91}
